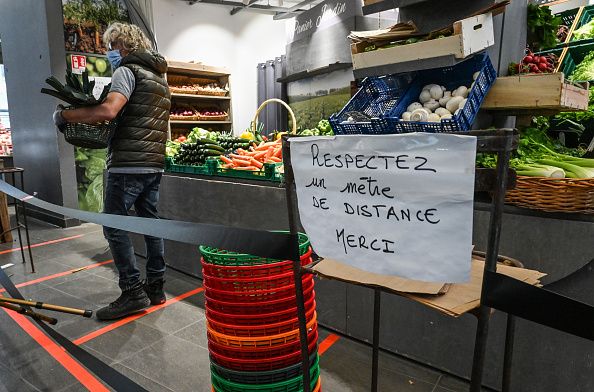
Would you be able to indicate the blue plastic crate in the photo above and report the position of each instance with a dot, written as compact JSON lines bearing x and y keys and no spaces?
{"x":377,"y":96}
{"x":450,"y":77}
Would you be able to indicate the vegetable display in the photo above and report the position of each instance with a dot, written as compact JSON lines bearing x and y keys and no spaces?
{"x":585,"y":69}
{"x":322,"y":129}
{"x":534,"y":63}
{"x":255,"y":157}
{"x":542,"y":27}
{"x":436,"y":103}
{"x":584,"y":32}
{"x":540,"y":156}
{"x":198,"y":152}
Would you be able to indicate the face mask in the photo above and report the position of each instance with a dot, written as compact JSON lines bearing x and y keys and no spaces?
{"x":114,"y":58}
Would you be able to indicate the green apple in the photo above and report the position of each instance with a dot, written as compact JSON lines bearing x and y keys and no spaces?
{"x":101,"y":65}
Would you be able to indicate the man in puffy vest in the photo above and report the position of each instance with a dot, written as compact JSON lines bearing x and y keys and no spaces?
{"x":140,"y":98}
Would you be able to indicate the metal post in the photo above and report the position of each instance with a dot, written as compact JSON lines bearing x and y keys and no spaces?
{"x":376,"y":329}
{"x":18,"y":223}
{"x":494,"y":236}
{"x":26,"y":224}
{"x":289,"y":188}
{"x":509,"y":353}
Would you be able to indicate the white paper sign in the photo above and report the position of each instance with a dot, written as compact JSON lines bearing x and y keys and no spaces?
{"x":399,"y":205}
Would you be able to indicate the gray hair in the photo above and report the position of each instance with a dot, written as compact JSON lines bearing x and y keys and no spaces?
{"x":129,"y":37}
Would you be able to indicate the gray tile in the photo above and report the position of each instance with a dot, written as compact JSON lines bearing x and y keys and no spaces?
{"x":176,"y":363}
{"x":125,"y":341}
{"x":170,"y":319}
{"x":11,"y":381}
{"x":143,"y":381}
{"x":195,"y":333}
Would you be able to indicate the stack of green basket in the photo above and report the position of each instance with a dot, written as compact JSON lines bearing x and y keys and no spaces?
{"x":253,"y":331}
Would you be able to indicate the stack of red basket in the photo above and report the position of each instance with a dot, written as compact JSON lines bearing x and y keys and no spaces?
{"x":253,"y":330}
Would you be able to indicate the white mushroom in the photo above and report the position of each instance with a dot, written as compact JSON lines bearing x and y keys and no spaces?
{"x":461,"y":91}
{"x":446,"y":116}
{"x":434,"y":117}
{"x":462,"y":103}
{"x":442,"y":111}
{"x":428,"y":87}
{"x":413,"y":106}
{"x":436,"y":92}
{"x":432,"y":104}
{"x":476,"y":75}
{"x":447,"y":95}
{"x":453,"y":103}
{"x":425,"y":96}
{"x":456,"y":112}
{"x":419,"y":115}
{"x":406,"y":116}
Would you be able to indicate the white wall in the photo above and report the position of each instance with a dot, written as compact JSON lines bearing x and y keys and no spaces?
{"x":209,"y":34}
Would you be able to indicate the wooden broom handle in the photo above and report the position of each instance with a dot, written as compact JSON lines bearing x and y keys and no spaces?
{"x":41,"y":305}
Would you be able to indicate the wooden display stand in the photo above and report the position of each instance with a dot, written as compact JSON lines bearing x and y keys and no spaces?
{"x":471,"y":35}
{"x":198,"y":70}
{"x":546,"y":91}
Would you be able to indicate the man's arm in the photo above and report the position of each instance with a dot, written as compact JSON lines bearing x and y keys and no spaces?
{"x":93,"y":114}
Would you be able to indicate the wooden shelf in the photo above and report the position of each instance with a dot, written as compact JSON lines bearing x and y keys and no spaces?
{"x":201,"y":71}
{"x":177,"y":122}
{"x":204,"y":97}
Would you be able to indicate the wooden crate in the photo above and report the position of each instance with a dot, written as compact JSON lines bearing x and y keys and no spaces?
{"x":471,"y":35}
{"x":536,"y":91}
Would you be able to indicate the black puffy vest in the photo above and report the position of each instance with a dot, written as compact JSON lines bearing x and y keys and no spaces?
{"x":141,"y":135}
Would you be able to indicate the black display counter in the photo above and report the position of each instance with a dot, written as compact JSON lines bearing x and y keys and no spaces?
{"x":559,"y":245}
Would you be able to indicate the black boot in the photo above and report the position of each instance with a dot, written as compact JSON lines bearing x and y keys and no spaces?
{"x":155,"y":292}
{"x":131,"y":301}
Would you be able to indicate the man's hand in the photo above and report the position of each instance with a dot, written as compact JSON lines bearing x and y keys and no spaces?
{"x":59,"y":120}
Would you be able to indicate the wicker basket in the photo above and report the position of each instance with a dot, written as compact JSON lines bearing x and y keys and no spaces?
{"x":185,"y":118}
{"x":96,"y":136}
{"x":181,"y":84}
{"x":198,"y":106}
{"x":567,"y":195}
{"x":202,"y":84}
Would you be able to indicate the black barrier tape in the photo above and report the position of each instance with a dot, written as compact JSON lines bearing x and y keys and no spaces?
{"x":112,"y":377}
{"x":274,"y":245}
{"x":537,"y":304}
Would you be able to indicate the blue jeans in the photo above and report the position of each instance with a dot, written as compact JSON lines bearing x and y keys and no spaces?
{"x":121,"y":193}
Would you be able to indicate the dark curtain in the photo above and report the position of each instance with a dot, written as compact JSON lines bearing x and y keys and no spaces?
{"x":274,"y":115}
{"x":140,"y":19}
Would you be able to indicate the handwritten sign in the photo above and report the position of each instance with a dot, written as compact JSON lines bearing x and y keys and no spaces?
{"x":399,"y":205}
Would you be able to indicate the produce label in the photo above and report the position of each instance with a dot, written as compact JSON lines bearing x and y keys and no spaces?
{"x":399,"y":205}
{"x":79,"y":64}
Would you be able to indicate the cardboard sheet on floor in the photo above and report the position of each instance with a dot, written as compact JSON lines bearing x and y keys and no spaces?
{"x":453,"y":299}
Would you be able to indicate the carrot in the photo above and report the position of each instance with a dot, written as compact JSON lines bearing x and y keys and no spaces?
{"x":256,"y":163}
{"x":275,"y":159}
{"x":225,"y":159}
{"x":252,"y":148}
{"x":263,"y":147}
{"x":241,"y":162}
{"x":269,"y":152}
{"x":260,"y":155}
{"x":278,"y":153}
{"x":227,"y":165}
{"x":236,"y":156}
{"x":241,"y":151}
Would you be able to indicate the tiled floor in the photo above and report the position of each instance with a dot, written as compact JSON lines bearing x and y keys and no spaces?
{"x":165,"y":348}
